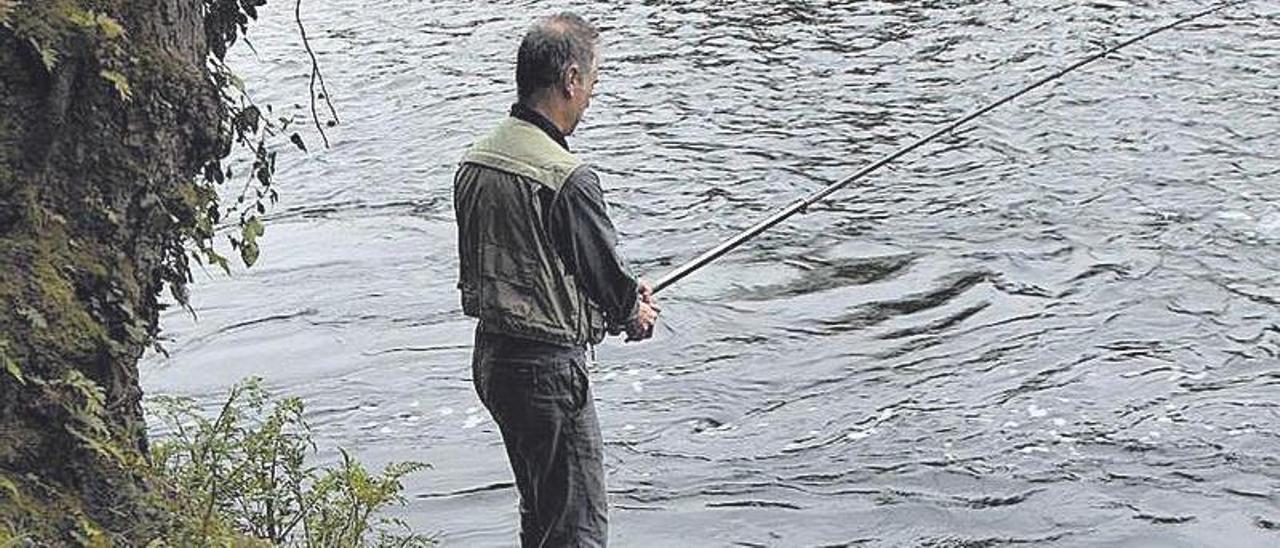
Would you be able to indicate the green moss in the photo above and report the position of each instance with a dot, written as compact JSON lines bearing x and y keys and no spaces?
{"x":71,"y":327}
{"x":30,"y":511}
{"x":46,"y":319}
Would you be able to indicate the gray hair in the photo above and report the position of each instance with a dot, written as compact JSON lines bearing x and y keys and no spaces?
{"x":549,"y":48}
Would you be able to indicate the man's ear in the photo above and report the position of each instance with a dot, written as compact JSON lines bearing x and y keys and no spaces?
{"x":572,"y":77}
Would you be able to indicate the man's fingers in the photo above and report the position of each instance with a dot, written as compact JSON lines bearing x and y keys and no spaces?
{"x":646,"y":292}
{"x":642,"y":327}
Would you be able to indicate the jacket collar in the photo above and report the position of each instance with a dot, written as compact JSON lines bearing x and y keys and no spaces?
{"x":526,"y":113}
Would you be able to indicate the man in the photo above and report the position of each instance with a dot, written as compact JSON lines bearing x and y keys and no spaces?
{"x":540,"y":271}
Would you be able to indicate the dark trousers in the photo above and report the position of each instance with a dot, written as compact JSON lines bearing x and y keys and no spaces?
{"x":540,"y":397}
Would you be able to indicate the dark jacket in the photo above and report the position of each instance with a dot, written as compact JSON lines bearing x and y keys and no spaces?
{"x":538,"y":251}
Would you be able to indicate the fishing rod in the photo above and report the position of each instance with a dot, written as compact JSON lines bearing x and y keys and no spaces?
{"x":800,"y":205}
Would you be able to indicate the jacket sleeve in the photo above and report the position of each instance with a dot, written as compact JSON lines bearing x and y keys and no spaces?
{"x":587,"y":243}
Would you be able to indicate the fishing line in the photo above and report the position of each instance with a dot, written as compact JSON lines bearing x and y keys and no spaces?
{"x":800,"y":205}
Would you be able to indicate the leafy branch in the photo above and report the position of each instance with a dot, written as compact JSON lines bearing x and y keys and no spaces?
{"x":246,"y":469}
{"x":252,"y":128}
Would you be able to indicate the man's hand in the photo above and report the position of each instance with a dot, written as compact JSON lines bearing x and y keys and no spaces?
{"x":642,"y":327}
{"x":646,"y":317}
{"x":646,"y":293}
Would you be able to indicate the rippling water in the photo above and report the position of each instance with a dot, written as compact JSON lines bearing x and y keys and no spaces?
{"x":1057,"y":327}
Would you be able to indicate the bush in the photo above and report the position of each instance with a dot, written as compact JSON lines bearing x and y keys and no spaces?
{"x":245,"y":472}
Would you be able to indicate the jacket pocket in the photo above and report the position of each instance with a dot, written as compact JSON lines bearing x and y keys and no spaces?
{"x":509,"y":282}
{"x":501,"y":263}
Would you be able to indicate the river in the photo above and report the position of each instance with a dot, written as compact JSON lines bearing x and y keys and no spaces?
{"x":1057,"y":327}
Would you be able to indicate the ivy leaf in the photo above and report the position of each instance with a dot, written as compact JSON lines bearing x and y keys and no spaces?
{"x":213,"y":173}
{"x":249,"y":253}
{"x":180,"y":293}
{"x":297,"y":141}
{"x":6,"y":8}
{"x":253,"y":229}
{"x":250,"y":232}
{"x":80,"y":18}
{"x":236,"y":82}
{"x":111,"y":28}
{"x":10,"y":364}
{"x":137,"y":331}
{"x":8,"y":485}
{"x":249,"y":118}
{"x":12,"y":367}
{"x":48,"y":56}
{"x":119,"y":81}
{"x":34,"y":318}
{"x":222,"y":262}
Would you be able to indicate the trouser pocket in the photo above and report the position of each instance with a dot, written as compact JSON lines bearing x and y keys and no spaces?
{"x":562,"y":387}
{"x":581,"y":383}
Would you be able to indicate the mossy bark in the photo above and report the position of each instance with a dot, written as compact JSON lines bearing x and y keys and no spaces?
{"x":87,"y":183}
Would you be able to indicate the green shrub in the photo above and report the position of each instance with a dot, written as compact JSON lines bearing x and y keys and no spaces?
{"x":245,"y":472}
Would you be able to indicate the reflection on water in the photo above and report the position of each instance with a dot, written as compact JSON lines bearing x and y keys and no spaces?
{"x":1057,"y":327}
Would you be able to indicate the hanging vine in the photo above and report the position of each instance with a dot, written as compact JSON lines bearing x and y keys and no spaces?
{"x":252,"y":128}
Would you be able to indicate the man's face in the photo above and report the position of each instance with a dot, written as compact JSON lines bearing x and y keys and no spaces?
{"x":581,"y":89}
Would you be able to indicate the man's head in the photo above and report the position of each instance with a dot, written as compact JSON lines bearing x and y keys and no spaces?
{"x":556,"y":68}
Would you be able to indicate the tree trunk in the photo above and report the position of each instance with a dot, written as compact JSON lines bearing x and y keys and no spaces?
{"x":99,"y":151}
